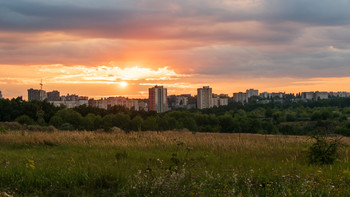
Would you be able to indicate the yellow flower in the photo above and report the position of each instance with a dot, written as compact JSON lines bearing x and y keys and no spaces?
{"x":346,"y":172}
{"x":30,"y":164}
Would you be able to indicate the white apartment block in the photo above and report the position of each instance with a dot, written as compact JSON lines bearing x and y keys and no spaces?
{"x":240,"y":97}
{"x":252,"y":92}
{"x":105,"y":103}
{"x":267,"y":95}
{"x":70,"y":104}
{"x":308,"y":96}
{"x":340,"y":94}
{"x":321,"y":95}
{"x":217,"y":101}
{"x":71,"y":101}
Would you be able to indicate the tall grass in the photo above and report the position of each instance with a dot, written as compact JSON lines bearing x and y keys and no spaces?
{"x":72,"y":163}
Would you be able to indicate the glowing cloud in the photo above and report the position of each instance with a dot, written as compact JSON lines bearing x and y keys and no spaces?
{"x":106,"y":74}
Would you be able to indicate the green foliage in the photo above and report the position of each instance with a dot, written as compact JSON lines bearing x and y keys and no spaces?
{"x":120,"y":120}
{"x":41,"y":121}
{"x":323,"y":150}
{"x":150,"y":124}
{"x":227,"y":123}
{"x":164,"y":164}
{"x":302,"y":118}
{"x":56,"y":121}
{"x":24,"y":119}
{"x":136,"y":123}
{"x":66,"y":127}
{"x":71,"y":117}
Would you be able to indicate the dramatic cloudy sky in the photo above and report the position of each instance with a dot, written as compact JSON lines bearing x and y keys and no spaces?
{"x":93,"y":47}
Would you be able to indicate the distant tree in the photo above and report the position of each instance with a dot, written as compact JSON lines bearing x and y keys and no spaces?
{"x":41,"y":121}
{"x":227,"y":123}
{"x":56,"y":121}
{"x":24,"y":119}
{"x":108,"y":121}
{"x":136,"y":123}
{"x":316,"y":115}
{"x":72,"y":117}
{"x":122,"y":121}
{"x":189,"y":123}
{"x":89,"y":122}
{"x":150,"y":124}
{"x":290,"y":117}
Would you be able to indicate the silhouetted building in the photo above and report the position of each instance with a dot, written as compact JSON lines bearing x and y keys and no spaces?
{"x":53,"y":96}
{"x":0,"y":95}
{"x":34,"y":94}
{"x":157,"y":100}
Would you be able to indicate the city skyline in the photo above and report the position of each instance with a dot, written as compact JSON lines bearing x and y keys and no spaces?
{"x":159,"y":101}
{"x":231,"y":94}
{"x":122,"y":48}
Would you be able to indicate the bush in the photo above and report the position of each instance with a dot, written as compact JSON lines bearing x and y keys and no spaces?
{"x":41,"y":128}
{"x":116,"y":130}
{"x":24,"y":119}
{"x":66,"y":127}
{"x":323,"y":150}
{"x":11,"y":126}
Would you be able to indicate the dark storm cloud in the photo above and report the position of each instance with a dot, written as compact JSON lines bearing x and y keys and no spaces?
{"x":155,"y":20}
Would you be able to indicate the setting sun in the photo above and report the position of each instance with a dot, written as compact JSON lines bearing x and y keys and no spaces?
{"x":123,"y":84}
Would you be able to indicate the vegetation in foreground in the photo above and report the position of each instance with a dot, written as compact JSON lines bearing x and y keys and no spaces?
{"x":301,"y":118}
{"x":165,"y":164}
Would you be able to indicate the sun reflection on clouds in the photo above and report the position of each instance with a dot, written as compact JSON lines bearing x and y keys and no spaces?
{"x":107,"y":74}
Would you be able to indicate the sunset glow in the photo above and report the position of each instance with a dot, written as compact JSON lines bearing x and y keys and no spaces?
{"x":123,"y":84}
{"x":87,"y":48}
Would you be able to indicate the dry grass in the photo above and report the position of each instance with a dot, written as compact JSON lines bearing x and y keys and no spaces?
{"x":87,"y":159}
{"x":221,"y":141}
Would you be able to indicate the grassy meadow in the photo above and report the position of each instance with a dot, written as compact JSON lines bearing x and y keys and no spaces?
{"x":71,"y":163}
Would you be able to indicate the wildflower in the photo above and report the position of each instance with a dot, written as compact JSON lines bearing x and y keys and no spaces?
{"x":30,"y":164}
{"x":346,"y":172}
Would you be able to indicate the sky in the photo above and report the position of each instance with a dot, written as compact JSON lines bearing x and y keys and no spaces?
{"x":123,"y":47}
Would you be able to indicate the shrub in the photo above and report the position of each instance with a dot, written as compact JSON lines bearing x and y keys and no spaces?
{"x":41,"y":128}
{"x":66,"y":126}
{"x":11,"y":126}
{"x":116,"y":130}
{"x":323,"y":150}
{"x":24,"y":119}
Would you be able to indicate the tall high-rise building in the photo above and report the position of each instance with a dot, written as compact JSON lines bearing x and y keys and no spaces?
{"x":53,"y":96}
{"x":0,"y":95}
{"x":34,"y":94}
{"x":157,"y":100}
{"x":204,"y":97}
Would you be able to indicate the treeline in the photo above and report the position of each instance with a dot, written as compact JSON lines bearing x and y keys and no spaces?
{"x":329,"y":116}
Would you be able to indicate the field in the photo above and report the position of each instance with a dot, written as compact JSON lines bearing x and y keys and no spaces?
{"x":165,"y":164}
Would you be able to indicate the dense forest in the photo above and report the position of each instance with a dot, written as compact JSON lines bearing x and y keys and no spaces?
{"x":302,"y":118}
